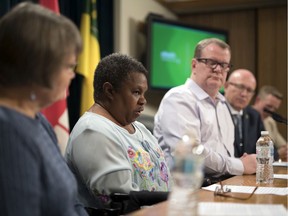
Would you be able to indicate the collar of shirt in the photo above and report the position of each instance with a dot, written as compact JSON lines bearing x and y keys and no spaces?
{"x":233,"y":111}
{"x":200,"y":93}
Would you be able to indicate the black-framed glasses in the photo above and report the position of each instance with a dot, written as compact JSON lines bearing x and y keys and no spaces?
{"x":213,"y":64}
{"x":242,"y":87}
{"x":224,"y":191}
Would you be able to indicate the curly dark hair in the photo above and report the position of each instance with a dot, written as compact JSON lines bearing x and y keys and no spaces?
{"x":115,"y":69}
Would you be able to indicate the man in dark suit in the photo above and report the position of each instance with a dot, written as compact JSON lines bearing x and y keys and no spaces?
{"x":252,"y":126}
{"x":239,"y":90}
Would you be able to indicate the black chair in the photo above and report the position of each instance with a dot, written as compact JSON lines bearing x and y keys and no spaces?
{"x":126,"y":203}
{"x":102,"y":212}
{"x":148,"y":121}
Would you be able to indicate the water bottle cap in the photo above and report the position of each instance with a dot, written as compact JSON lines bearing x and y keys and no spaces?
{"x":263,"y":133}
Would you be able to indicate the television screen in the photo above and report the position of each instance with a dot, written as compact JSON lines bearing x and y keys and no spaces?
{"x":170,"y":50}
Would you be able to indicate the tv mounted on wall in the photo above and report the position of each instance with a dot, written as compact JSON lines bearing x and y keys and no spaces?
{"x":170,"y":49}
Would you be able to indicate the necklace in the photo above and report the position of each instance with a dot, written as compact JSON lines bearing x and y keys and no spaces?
{"x":147,"y":147}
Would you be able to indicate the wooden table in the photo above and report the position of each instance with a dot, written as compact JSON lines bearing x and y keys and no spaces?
{"x":245,"y":180}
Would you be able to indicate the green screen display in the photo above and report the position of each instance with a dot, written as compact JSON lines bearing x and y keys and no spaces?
{"x":171,"y":51}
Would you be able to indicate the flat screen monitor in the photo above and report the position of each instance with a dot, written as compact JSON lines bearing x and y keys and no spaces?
{"x":170,"y":50}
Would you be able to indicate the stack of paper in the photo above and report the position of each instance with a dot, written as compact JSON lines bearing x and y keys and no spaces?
{"x":282,"y":164}
{"x":237,"y":209}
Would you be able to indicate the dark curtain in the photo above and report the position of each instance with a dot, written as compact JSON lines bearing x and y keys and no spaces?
{"x":73,"y":9}
{"x":6,"y":5}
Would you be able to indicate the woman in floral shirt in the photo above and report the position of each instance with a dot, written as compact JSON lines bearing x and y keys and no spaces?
{"x":108,"y":150}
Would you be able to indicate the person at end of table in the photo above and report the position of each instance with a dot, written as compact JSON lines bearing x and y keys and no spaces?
{"x":270,"y":97}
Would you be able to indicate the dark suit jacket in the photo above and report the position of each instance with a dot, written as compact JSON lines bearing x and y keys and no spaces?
{"x":252,"y":126}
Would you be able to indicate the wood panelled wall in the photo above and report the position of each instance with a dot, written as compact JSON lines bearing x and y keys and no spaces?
{"x":258,"y":39}
{"x":272,"y":53}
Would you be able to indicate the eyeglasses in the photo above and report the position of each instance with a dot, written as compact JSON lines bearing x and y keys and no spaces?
{"x":213,"y":64}
{"x":242,"y":87}
{"x":71,"y":66}
{"x":223,"y":191}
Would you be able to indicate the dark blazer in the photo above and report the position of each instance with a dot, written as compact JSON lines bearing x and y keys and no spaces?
{"x":252,"y":126}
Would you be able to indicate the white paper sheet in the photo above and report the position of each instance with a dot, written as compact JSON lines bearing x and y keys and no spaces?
{"x":249,"y":189}
{"x":237,"y":209}
{"x":282,"y":164}
{"x":281,"y":176}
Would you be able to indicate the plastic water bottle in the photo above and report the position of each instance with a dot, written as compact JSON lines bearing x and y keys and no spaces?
{"x":187,"y":173}
{"x":265,"y":158}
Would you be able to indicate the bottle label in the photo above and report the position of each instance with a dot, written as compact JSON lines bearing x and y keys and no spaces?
{"x":263,"y":152}
{"x":189,"y":164}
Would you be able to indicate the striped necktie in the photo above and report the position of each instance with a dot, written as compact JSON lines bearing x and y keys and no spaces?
{"x":239,"y":137}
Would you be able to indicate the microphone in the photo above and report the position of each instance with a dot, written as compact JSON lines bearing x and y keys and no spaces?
{"x":276,"y":116}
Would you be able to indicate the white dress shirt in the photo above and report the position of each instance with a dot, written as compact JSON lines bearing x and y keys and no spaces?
{"x":189,"y":107}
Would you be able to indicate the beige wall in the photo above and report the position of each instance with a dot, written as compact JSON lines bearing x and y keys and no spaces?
{"x":128,"y":15}
{"x":272,"y":53}
{"x":128,"y":39}
{"x":258,"y":39}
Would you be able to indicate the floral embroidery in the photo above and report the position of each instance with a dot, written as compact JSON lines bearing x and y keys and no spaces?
{"x":131,"y":152}
{"x":164,"y":172}
{"x":149,"y":169}
{"x":104,"y":198}
{"x":140,"y":159}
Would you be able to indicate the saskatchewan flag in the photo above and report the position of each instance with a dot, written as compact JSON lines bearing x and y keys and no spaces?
{"x":90,"y":55}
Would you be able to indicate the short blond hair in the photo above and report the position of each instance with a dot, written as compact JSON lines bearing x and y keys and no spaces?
{"x":204,"y":43}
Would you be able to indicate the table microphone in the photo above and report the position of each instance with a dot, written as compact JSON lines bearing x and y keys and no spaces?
{"x":276,"y":116}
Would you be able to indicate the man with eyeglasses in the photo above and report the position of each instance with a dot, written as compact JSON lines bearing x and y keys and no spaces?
{"x":270,"y":98}
{"x":239,"y":90}
{"x":197,"y":105}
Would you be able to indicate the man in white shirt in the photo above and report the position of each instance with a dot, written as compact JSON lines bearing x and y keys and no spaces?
{"x":197,"y":105}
